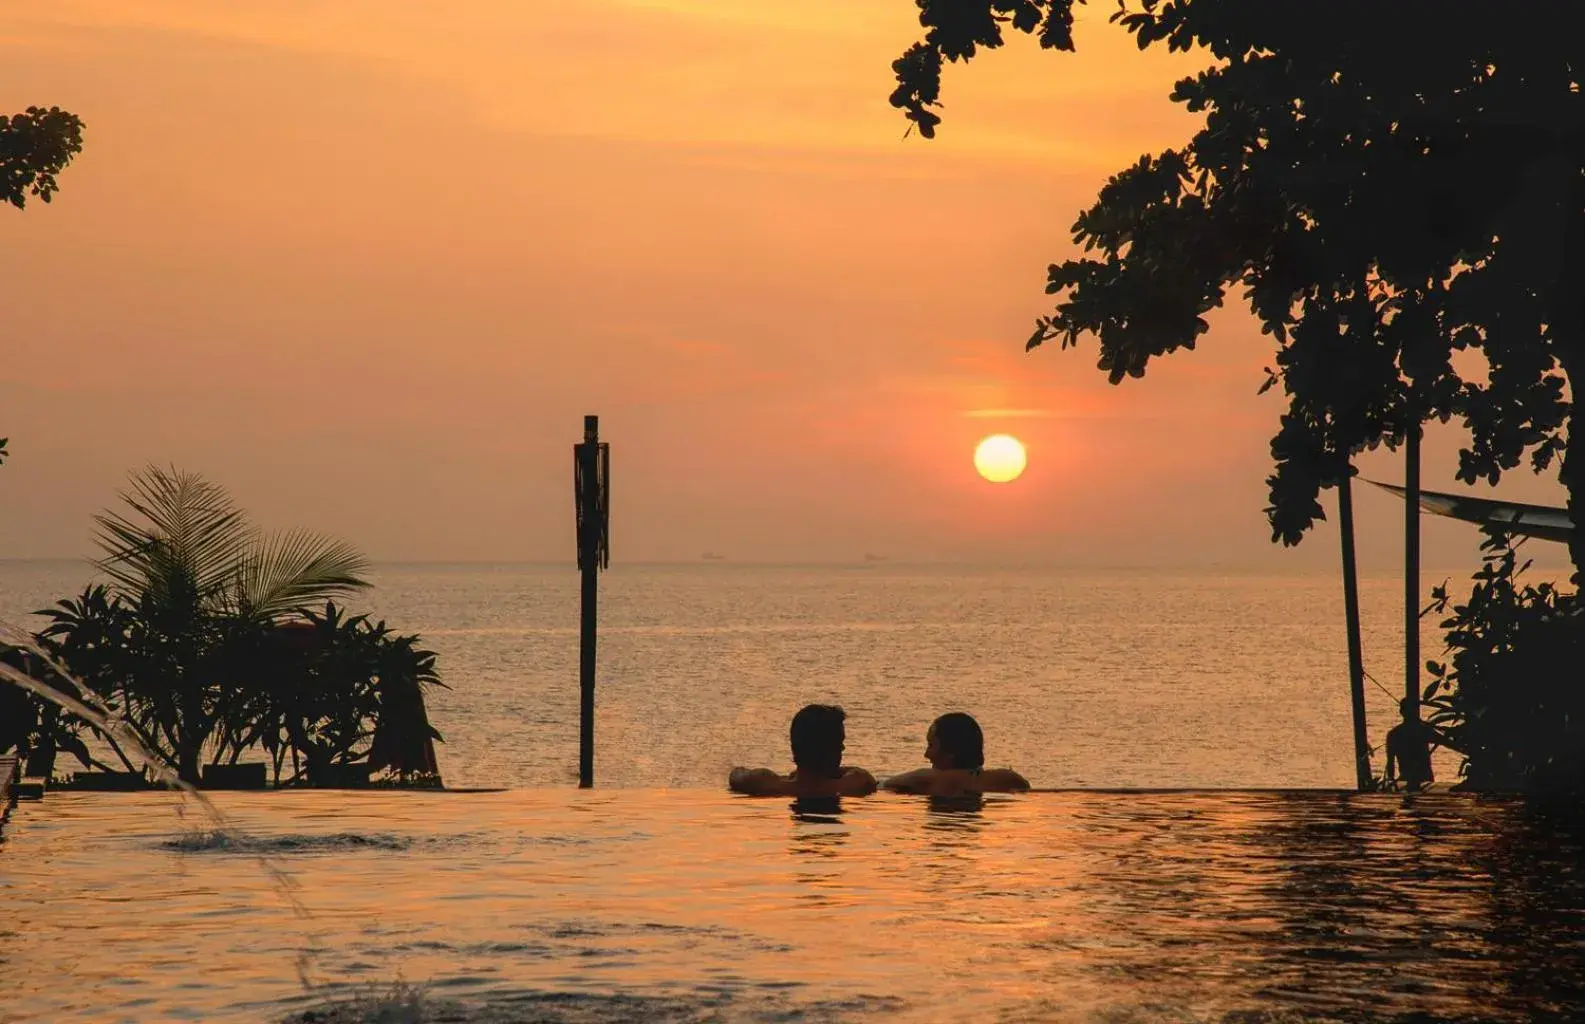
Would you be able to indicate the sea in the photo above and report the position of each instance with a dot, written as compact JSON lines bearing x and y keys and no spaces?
{"x":1122,"y":678}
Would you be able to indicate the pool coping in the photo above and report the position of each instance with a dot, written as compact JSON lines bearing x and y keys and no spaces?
{"x":1341,"y":791}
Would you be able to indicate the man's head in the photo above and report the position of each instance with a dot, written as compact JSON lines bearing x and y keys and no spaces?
{"x":818,"y":736}
{"x":955,"y":741}
{"x":1409,"y":708}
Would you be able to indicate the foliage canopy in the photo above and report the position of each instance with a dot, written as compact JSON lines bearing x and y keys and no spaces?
{"x":1386,"y":185}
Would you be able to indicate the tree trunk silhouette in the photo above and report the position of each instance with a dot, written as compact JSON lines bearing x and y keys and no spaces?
{"x":195,"y":728}
{"x":1569,"y":341}
{"x":1572,"y":474}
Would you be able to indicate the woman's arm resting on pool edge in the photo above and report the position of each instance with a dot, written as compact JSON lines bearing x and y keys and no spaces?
{"x":916,"y":781}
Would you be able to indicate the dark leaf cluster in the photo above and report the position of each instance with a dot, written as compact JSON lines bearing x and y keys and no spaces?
{"x":1508,"y":694}
{"x":35,"y":146}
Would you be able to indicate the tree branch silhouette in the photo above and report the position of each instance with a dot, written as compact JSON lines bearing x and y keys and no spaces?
{"x":1383,"y":185}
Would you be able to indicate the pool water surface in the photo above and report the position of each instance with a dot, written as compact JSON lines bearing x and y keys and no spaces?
{"x":692,"y":905}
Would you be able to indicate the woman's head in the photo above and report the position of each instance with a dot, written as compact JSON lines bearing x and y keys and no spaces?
{"x":955,"y":741}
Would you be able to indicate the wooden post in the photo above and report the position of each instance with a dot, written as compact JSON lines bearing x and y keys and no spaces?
{"x":1356,"y":658}
{"x":9,"y":769}
{"x":1411,"y":574}
{"x":591,"y":485}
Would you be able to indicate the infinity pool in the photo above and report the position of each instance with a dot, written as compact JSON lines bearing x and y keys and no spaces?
{"x":693,"y":906}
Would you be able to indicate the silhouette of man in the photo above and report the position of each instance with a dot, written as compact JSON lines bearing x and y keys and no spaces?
{"x":818,"y":735}
{"x":1409,"y":748}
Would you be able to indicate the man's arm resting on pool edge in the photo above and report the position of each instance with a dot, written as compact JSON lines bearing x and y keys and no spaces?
{"x":1004,"y":780}
{"x":753,"y":781}
{"x":857,"y":782}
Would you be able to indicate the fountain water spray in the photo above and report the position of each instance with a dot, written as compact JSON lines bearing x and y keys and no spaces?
{"x":91,"y":708}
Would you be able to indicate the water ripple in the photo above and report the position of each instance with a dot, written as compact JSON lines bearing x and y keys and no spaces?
{"x":1083,"y":907}
{"x":220,"y":841}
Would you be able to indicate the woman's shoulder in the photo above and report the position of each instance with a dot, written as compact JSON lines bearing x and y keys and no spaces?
{"x":955,"y":781}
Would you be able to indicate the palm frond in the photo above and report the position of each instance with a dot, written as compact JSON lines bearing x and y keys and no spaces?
{"x":178,"y":531}
{"x":287,"y":572}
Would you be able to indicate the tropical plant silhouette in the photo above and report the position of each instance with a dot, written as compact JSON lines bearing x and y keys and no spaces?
{"x":207,"y":641}
{"x":1508,"y":695}
{"x":183,"y":543}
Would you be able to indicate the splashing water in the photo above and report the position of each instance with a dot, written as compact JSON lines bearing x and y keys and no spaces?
{"x":91,"y":708}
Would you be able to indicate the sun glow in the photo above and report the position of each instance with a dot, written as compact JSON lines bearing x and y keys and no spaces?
{"x":1000,"y":458}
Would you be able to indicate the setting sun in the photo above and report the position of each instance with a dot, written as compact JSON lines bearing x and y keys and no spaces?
{"x":1000,"y":458}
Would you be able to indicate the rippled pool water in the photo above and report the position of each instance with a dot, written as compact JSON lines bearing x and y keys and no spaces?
{"x":639,"y":905}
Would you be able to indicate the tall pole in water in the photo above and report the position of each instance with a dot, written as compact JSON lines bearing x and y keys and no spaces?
{"x":1356,"y":658}
{"x":592,"y":493}
{"x":1411,"y":573}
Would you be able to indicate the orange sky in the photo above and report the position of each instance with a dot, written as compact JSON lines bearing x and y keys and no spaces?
{"x":368,"y":264}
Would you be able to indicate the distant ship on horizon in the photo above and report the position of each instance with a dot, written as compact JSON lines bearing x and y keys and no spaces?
{"x":711,"y":556}
{"x":873,"y":558}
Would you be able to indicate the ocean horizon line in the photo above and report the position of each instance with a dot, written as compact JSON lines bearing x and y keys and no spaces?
{"x":726,"y":564}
